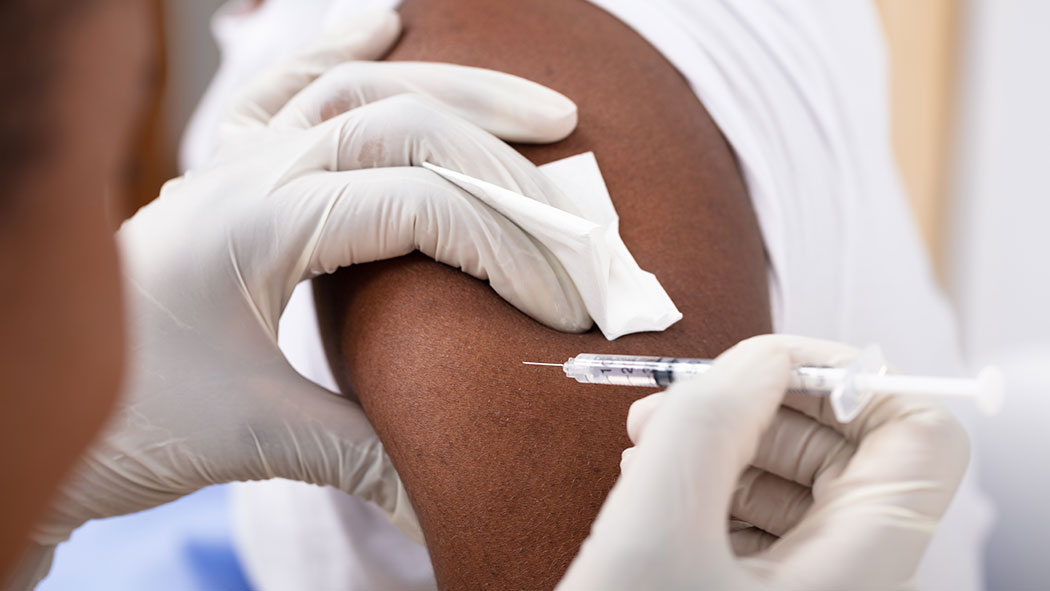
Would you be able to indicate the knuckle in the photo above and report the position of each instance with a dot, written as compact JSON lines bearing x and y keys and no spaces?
{"x":941,"y":431}
{"x":947,"y":430}
{"x":353,"y":77}
{"x":339,"y":90}
{"x":411,"y":110}
{"x":346,"y":73}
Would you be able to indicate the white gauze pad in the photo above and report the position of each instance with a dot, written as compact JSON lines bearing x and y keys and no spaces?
{"x":619,"y":295}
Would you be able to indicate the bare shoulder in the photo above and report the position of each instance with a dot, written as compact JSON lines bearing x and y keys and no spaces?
{"x":507,"y":465}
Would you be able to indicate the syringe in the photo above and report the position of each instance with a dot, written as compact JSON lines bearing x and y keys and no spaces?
{"x":849,"y":388}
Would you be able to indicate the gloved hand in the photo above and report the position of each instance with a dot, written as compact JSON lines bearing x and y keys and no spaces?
{"x":823,"y":505}
{"x":212,"y":262}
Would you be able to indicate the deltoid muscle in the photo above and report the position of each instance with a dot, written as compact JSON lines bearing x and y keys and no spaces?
{"x":506,"y":465}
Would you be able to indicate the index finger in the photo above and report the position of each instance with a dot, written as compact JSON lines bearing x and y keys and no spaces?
{"x":507,"y":106}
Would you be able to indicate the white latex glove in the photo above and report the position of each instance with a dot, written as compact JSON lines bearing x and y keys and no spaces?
{"x":212,"y":262}
{"x":823,"y":505}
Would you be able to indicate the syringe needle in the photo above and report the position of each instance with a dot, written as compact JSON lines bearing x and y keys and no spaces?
{"x":538,"y":363}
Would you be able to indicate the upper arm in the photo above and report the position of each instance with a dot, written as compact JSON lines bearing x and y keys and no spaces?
{"x":507,"y":465}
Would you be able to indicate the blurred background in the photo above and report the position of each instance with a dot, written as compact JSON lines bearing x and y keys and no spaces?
{"x":971,"y":126}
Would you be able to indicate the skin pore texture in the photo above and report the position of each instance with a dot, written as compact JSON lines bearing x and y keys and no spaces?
{"x":507,"y":465}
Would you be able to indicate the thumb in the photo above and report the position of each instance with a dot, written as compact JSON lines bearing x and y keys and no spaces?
{"x":697,"y":442}
{"x":670,"y":508}
{"x":364,"y":37}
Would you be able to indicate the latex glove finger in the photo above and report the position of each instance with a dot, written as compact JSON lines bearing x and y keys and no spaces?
{"x":394,"y":211}
{"x":769,"y":502}
{"x":364,"y":37}
{"x":863,"y":509}
{"x":750,"y":540}
{"x":775,"y":501}
{"x":639,"y":414}
{"x":774,"y":493}
{"x":626,"y":458}
{"x":716,"y":422}
{"x":408,"y":130}
{"x":801,"y":449}
{"x":313,"y":435}
{"x":507,"y":106}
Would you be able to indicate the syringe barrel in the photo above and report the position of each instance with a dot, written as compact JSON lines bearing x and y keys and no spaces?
{"x":632,"y":370}
{"x":661,"y":372}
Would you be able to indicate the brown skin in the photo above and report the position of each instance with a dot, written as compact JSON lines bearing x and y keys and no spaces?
{"x":507,"y":465}
{"x":62,"y":351}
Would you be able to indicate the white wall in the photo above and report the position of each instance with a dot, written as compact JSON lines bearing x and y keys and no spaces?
{"x":998,"y":275}
{"x":1001,"y":236}
{"x":193,"y":57}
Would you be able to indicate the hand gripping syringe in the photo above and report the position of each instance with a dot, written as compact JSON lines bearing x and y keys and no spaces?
{"x":848,"y":388}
